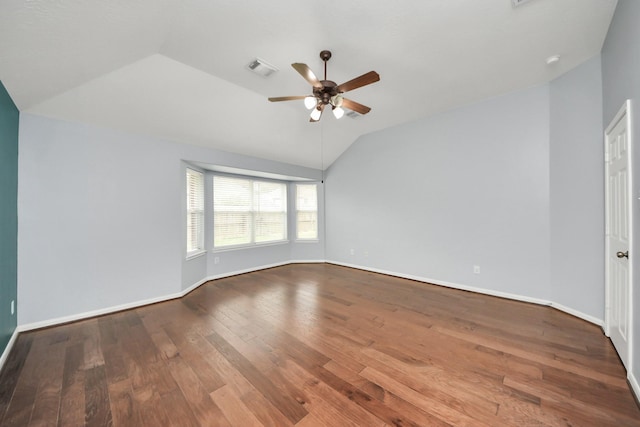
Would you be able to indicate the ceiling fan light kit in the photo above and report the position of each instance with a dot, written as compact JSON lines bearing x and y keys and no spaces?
{"x":338,"y":112}
{"x":310,"y":102}
{"x":315,"y":114}
{"x":327,"y":92}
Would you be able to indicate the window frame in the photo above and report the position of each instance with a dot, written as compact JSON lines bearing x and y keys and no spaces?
{"x":252,"y":213}
{"x":199,"y":211}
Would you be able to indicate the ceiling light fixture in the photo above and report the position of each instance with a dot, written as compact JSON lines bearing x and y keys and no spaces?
{"x":327,"y":92}
{"x":322,"y":97}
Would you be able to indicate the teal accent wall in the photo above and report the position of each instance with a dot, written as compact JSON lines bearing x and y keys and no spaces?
{"x":9,"y":117}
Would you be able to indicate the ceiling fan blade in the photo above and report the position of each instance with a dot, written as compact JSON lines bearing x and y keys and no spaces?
{"x":286,"y":98}
{"x":363,"y":80}
{"x":308,"y":75}
{"x":355,"y":106}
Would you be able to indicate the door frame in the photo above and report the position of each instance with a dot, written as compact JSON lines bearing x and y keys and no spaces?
{"x":620,"y":115}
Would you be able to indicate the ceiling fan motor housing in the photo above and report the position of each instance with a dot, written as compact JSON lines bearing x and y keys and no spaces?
{"x":326,"y":92}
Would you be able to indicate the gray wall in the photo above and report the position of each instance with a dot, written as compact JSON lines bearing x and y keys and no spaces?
{"x":102,"y":219}
{"x":433,"y":198}
{"x":9,"y":118}
{"x":577,"y":189}
{"x":513,"y":184}
{"x":621,"y":81}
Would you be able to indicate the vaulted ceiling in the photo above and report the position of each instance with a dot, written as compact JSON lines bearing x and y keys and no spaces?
{"x":177,"y":69}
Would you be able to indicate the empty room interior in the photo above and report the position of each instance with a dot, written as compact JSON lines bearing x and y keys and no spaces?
{"x":248,"y":213}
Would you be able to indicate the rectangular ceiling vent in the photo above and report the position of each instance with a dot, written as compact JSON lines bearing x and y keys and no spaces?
{"x":352,"y":114}
{"x":517,"y":3}
{"x":261,"y":67}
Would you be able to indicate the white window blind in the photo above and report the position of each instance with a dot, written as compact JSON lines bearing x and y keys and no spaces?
{"x":270,"y":211}
{"x":247,"y":212}
{"x":195,"y":211}
{"x":306,"y":211}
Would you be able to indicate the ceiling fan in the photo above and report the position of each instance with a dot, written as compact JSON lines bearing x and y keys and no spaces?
{"x":327,"y":92}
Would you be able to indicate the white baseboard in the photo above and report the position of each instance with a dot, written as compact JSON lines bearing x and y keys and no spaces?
{"x":136,"y":304}
{"x":578,"y":314}
{"x":7,"y":349}
{"x":95,"y":313}
{"x":307,"y":261}
{"x":490,"y":292}
{"x":235,"y":273}
{"x":248,"y":270}
{"x":635,"y":387}
{"x":195,"y":286}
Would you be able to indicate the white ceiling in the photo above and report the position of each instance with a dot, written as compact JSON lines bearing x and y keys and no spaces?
{"x":176,"y":69}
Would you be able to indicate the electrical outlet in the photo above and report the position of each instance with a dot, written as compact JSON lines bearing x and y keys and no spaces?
{"x":13,"y":306}
{"x":353,"y":252}
{"x":216,"y":260}
{"x":476,"y":269}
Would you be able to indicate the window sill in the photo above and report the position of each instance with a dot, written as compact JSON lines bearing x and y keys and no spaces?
{"x":307,"y":241}
{"x":195,"y":254}
{"x":252,"y":246}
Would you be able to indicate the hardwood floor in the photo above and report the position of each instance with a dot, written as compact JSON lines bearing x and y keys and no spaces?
{"x":319,"y":345}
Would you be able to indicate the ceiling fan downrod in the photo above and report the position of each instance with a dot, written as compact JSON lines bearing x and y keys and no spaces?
{"x":325,"y":55}
{"x":328,"y":92}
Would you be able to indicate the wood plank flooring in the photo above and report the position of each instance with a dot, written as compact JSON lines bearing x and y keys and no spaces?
{"x":319,"y":345}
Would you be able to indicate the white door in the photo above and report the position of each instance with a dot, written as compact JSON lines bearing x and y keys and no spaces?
{"x":618,"y":233}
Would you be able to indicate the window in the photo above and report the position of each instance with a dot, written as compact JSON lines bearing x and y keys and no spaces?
{"x":248,"y":212}
{"x":195,"y":211}
{"x":306,"y":212}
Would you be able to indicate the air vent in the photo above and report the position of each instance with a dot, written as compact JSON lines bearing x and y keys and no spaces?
{"x":261,"y":67}
{"x":352,"y":114}
{"x":517,"y":3}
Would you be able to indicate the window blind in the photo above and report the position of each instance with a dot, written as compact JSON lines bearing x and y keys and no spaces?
{"x":247,"y":212}
{"x":195,"y":211}
{"x":270,"y":210}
